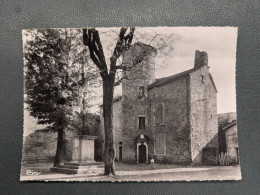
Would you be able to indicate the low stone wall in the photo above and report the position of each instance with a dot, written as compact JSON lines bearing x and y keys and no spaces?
{"x":40,"y":146}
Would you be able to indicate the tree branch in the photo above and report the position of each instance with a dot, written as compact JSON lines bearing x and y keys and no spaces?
{"x":123,"y":44}
{"x":92,"y":40}
{"x":118,"y":82}
{"x":97,"y":46}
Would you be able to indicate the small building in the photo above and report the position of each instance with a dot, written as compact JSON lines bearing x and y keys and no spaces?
{"x":172,"y":118}
{"x":231,"y":139}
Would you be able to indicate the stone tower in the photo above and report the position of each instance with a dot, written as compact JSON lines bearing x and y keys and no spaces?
{"x":140,"y":68}
{"x":140,"y":72}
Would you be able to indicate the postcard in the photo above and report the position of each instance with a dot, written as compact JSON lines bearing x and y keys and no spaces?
{"x":130,"y":104}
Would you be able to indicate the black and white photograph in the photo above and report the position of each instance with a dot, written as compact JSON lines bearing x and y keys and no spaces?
{"x":130,"y":104}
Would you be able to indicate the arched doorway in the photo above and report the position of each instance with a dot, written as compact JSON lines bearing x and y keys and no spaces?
{"x":142,"y":153}
{"x":142,"y":149}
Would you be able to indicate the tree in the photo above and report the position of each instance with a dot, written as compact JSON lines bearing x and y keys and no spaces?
{"x":54,"y":65}
{"x":91,"y":38}
{"x":84,"y":75}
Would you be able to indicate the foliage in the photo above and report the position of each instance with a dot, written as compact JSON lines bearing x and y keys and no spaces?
{"x":49,"y":92}
{"x":54,"y":65}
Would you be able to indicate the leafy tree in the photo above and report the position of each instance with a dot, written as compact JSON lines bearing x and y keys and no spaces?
{"x":55,"y":78}
{"x":84,"y":74}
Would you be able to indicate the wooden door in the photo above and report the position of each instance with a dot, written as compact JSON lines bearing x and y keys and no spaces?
{"x":142,"y":154}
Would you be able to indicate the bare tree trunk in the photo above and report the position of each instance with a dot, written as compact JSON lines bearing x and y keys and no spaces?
{"x":92,"y":40}
{"x":109,"y":156}
{"x":60,"y":143}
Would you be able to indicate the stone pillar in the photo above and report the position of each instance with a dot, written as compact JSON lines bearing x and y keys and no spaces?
{"x":82,"y":158}
{"x":83,"y":149}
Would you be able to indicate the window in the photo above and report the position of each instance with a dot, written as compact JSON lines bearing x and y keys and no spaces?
{"x":114,"y":123}
{"x":141,"y":92}
{"x":202,"y":78}
{"x":159,"y":113}
{"x":160,"y":144}
{"x":141,"y":124}
{"x":120,"y":151}
{"x":119,"y":122}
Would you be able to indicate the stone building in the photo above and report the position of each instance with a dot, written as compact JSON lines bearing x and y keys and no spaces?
{"x":231,"y":143}
{"x":172,"y":118}
{"x":224,"y":120}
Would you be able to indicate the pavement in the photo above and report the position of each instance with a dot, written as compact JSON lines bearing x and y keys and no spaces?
{"x":127,"y":172}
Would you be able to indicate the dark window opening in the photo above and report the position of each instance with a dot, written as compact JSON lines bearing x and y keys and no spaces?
{"x":120,"y":153}
{"x":141,"y":122}
{"x":202,"y":78}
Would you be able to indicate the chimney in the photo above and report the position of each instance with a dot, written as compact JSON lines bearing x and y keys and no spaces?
{"x":201,"y":59}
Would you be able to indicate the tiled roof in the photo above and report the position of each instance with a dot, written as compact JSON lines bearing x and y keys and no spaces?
{"x":164,"y":80}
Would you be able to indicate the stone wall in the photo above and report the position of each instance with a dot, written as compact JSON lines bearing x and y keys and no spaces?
{"x":203,"y":115}
{"x":131,"y":109}
{"x":40,"y":146}
{"x":232,"y":144}
{"x":175,"y":127}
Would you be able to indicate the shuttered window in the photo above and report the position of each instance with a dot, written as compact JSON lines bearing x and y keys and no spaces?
{"x":160,"y":144}
{"x":119,"y":122}
{"x":159,"y":113}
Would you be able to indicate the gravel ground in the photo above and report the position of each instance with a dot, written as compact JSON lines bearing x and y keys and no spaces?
{"x":138,"y":172}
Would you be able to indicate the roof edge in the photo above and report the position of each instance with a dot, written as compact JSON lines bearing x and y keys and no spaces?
{"x":230,"y":125}
{"x":165,"y":80}
{"x":211,"y":78}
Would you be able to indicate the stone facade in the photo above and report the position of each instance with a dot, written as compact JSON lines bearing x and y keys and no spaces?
{"x":175,"y":125}
{"x":174,"y":119}
{"x":203,"y":112}
{"x":232,"y":143}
